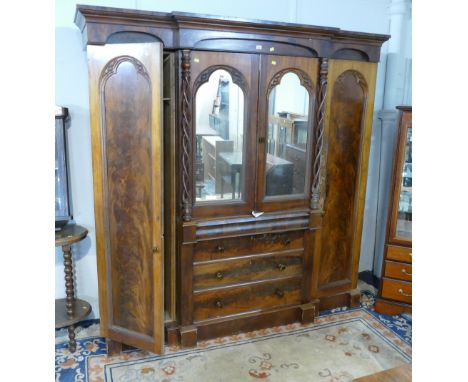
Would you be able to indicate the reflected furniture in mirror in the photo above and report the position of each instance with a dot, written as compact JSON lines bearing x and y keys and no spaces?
{"x":233,"y":157}
{"x":395,"y":294}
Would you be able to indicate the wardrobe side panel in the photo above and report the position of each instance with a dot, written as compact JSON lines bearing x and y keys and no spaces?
{"x":347,"y":135}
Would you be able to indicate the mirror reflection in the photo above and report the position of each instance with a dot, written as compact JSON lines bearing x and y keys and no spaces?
{"x":287,"y":137}
{"x":219,"y":129}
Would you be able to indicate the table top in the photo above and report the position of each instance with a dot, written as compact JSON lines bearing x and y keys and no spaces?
{"x":70,"y":234}
{"x":235,"y":159}
{"x":81,"y":310}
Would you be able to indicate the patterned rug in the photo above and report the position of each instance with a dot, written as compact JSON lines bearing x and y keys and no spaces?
{"x":341,"y":345}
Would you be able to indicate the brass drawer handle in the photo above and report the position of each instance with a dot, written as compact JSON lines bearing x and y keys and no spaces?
{"x":281,"y":267}
{"x":219,"y":275}
{"x":287,"y":241}
{"x":279,"y":292}
{"x":218,"y":304}
{"x":406,"y":272}
{"x":403,"y":293}
{"x":219,"y":248}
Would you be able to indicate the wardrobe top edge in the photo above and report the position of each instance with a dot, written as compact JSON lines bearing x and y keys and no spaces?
{"x":175,"y":20}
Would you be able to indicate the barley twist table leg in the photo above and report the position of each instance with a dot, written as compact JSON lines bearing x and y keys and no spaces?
{"x":71,"y":339}
{"x":70,"y":291}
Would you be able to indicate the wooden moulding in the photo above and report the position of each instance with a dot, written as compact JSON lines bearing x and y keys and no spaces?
{"x":178,"y":30}
{"x":247,"y":225}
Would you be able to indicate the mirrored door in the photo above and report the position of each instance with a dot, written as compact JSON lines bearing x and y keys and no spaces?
{"x":286,"y":119}
{"x":225,"y":88}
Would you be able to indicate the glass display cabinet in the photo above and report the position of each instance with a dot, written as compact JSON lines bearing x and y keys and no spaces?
{"x":62,"y":186}
{"x":395,"y":289}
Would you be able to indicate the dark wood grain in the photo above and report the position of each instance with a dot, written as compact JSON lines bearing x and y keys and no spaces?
{"x":247,"y":268}
{"x":248,"y":245}
{"x":126,"y":98}
{"x":194,"y":31}
{"x":220,"y":302}
{"x":126,"y":120}
{"x":347,"y":107}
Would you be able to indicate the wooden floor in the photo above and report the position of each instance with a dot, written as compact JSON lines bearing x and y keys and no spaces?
{"x":397,"y":374}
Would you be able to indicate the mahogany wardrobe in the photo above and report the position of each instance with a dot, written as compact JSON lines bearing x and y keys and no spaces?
{"x":230,"y":161}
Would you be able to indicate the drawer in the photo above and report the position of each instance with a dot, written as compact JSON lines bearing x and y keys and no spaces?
{"x":240,"y":299}
{"x":401,"y":271}
{"x":396,"y":290}
{"x":247,"y":245}
{"x":399,"y":253}
{"x":248,"y":268}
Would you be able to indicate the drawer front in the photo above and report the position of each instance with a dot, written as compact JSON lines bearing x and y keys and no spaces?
{"x":399,"y":253}
{"x":240,"y":299}
{"x":401,"y":271}
{"x":247,"y":268}
{"x":396,"y":290}
{"x":248,"y":245}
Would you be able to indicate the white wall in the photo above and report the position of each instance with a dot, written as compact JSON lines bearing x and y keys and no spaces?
{"x":71,"y":88}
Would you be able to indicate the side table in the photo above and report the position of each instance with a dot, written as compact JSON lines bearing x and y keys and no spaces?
{"x":70,"y":310}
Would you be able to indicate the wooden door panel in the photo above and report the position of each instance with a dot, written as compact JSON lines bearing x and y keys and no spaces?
{"x":125,"y":81}
{"x":348,"y":123}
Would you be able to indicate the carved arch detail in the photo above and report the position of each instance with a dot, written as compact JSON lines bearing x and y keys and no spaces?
{"x":113,"y":65}
{"x":303,"y":78}
{"x":360,"y":80}
{"x":237,"y":77}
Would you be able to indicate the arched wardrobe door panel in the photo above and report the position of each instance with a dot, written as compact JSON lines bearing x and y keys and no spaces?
{"x":125,"y":99}
{"x":348,"y":123}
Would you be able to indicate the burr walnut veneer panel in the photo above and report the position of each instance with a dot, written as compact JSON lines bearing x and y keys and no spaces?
{"x":349,"y":116}
{"x":126,"y":137}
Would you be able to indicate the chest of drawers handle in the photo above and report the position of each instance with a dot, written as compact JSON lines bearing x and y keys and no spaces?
{"x":218,"y":304}
{"x":403,"y":293}
{"x":279,"y":292}
{"x":219,"y":248}
{"x":281,"y":267}
{"x":406,"y":272}
{"x":219,"y":275}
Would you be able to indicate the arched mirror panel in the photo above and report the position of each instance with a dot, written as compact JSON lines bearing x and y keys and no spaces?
{"x":287,"y":138}
{"x":220,"y":143}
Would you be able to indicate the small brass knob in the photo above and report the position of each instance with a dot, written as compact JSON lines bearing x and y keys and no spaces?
{"x":218,"y":304}
{"x":220,"y":248}
{"x":155,"y":249}
{"x":279,"y":292}
{"x":219,"y":275}
{"x":406,"y":272}
{"x":403,"y":293}
{"x":287,"y":241}
{"x":281,"y":267}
